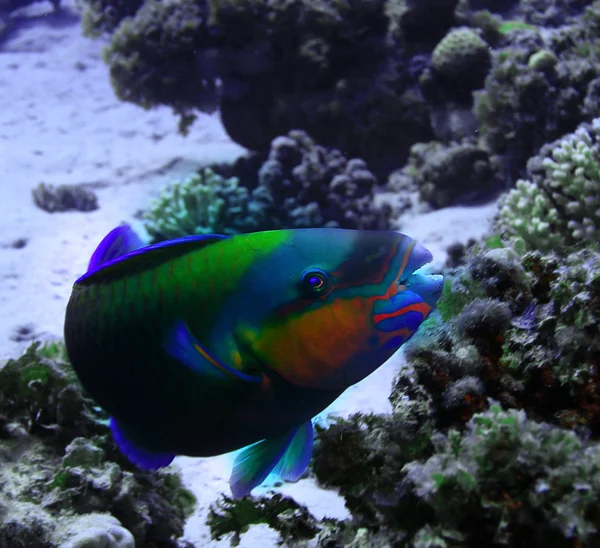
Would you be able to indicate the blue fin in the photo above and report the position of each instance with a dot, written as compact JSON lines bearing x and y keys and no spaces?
{"x":110,"y":258}
{"x":117,"y":242}
{"x":183,"y":346}
{"x":256,"y":462}
{"x":147,"y":460}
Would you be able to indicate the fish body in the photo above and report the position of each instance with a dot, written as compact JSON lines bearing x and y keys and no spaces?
{"x":207,"y":344}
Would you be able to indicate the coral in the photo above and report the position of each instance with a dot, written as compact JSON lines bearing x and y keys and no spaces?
{"x":461,"y":61}
{"x":513,"y":480}
{"x":156,"y":58}
{"x":64,"y":198}
{"x":59,"y":461}
{"x":522,"y":107}
{"x":94,"y":531}
{"x":104,"y":16}
{"x":417,"y":25}
{"x":447,"y":173}
{"x":292,"y":520}
{"x":504,"y":480}
{"x":300,"y":185}
{"x":561,"y":207}
{"x":550,"y":13}
{"x":543,"y":60}
{"x":526,"y":328}
{"x":203,"y":203}
{"x":325,"y":67}
{"x":306,"y":185}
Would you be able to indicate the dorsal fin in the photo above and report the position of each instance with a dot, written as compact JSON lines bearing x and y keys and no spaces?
{"x":117,"y":242}
{"x":119,"y":253}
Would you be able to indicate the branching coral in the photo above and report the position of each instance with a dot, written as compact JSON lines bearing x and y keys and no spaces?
{"x":203,"y":203}
{"x":562,"y":206}
{"x":300,"y":185}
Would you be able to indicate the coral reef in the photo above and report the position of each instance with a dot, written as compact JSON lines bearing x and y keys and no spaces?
{"x":447,"y":173}
{"x":327,"y":68}
{"x":204,"y":203}
{"x":64,"y":198}
{"x":154,"y":57}
{"x":461,"y":62}
{"x":504,"y":480}
{"x":538,"y":89}
{"x":560,"y":207}
{"x":524,"y":333}
{"x":287,"y":193}
{"x":61,"y":472}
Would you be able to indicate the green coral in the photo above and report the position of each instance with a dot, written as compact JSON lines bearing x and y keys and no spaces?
{"x":543,"y":60}
{"x":155,"y":58}
{"x":203,"y":203}
{"x":460,"y":53}
{"x":561,"y":207}
{"x":104,"y":16}
{"x":233,"y":517}
{"x":508,"y":473}
{"x":526,"y":213}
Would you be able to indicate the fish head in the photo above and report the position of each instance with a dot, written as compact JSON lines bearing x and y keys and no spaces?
{"x":331,"y":305}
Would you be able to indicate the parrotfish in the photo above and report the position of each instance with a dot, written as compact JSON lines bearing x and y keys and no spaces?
{"x":207,"y":344}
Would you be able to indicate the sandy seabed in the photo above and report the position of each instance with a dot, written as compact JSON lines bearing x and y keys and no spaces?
{"x":61,"y":123}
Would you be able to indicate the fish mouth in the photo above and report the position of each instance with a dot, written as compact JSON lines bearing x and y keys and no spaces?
{"x":415,"y":276}
{"x":411,"y":298}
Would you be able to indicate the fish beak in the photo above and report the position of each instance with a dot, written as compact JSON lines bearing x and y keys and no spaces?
{"x":415,"y":277}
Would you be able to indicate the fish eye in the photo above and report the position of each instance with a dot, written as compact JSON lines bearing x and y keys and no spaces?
{"x":314,"y":283}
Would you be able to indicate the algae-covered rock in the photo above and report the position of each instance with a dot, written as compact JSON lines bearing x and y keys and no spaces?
{"x":445,"y":174}
{"x":461,"y":60}
{"x":58,"y":462}
{"x":64,"y":198}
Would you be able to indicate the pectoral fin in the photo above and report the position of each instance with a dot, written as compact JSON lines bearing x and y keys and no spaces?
{"x":288,"y":455}
{"x":147,"y":460}
{"x":183,"y":346}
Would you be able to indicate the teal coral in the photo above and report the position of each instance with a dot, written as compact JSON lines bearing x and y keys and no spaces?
{"x":562,"y":207}
{"x":203,"y":203}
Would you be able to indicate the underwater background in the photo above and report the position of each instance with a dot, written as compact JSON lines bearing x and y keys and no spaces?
{"x":472,"y":126}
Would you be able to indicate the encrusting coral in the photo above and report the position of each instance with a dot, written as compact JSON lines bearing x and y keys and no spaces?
{"x":446,"y":173}
{"x":525,"y":103}
{"x":60,"y":466}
